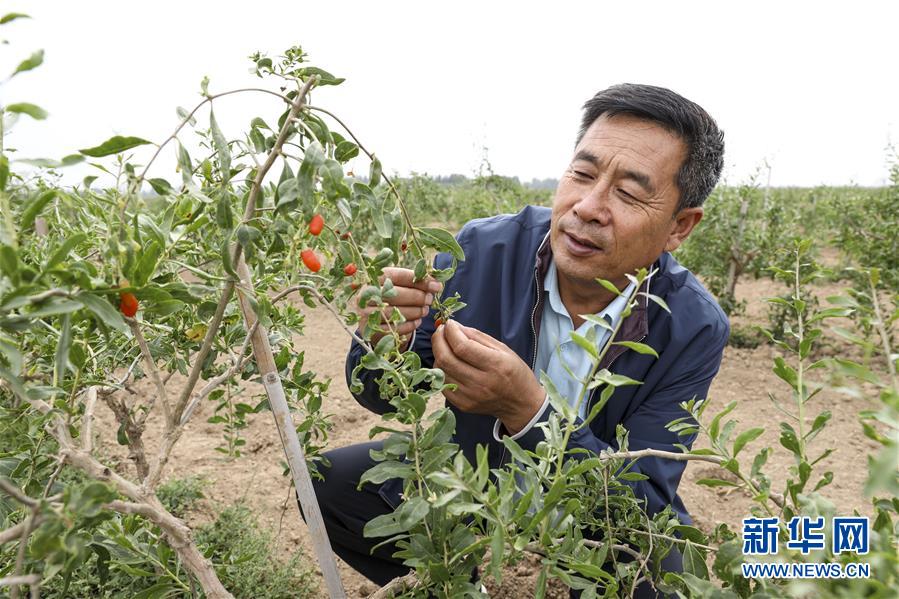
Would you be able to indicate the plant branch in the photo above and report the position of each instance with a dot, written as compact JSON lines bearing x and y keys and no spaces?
{"x":396,"y":586}
{"x":657,"y":453}
{"x":13,"y":491}
{"x":153,"y":371}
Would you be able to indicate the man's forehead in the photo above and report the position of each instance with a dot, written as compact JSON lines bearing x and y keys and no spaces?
{"x":649,"y":146}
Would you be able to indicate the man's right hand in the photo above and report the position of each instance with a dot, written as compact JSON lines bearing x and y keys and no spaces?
{"x":412,"y":300}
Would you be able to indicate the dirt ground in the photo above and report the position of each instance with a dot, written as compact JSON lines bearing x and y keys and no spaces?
{"x":745,"y":376}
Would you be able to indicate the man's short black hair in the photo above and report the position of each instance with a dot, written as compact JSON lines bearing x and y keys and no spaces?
{"x":701,"y":169}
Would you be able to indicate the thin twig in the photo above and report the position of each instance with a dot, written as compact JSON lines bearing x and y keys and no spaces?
{"x":15,"y":532}
{"x":13,"y":491}
{"x":657,"y":453}
{"x":396,"y":586}
{"x":153,"y":371}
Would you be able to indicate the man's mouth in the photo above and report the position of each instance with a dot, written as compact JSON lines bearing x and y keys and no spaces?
{"x":580,"y":246}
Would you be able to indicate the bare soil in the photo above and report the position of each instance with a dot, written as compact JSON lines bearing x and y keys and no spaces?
{"x":745,"y":377}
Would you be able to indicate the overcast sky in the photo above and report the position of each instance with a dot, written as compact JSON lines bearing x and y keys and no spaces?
{"x":810,"y":87}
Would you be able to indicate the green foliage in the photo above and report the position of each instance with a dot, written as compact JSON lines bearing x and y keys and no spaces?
{"x":180,"y":495}
{"x":248,"y":562}
{"x":867,"y":230}
{"x":804,"y":492}
{"x":745,"y":337}
{"x":455,"y":203}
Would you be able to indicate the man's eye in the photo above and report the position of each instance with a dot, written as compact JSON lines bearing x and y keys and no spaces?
{"x":580,"y":174}
{"x":626,"y":194}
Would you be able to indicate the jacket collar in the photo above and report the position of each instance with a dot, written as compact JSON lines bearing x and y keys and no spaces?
{"x":634,"y":328}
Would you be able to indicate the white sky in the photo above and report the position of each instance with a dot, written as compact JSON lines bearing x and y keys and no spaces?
{"x":808,"y":86}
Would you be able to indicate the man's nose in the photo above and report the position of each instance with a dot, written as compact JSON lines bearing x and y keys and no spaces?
{"x":595,"y":204}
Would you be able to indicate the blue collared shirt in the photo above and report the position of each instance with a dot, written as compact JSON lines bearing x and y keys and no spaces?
{"x":556,"y":350}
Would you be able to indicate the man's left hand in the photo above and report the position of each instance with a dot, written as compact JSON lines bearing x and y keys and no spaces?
{"x":490,"y":377}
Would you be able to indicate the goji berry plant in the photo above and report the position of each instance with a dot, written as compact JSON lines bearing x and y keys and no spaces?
{"x":196,"y":290}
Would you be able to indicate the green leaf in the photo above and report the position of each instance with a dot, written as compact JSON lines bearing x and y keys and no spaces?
{"x":654,"y":298}
{"x":441,"y":240}
{"x":716,"y":482}
{"x":103,"y":310}
{"x":62,"y":348}
{"x":62,"y":251}
{"x":609,"y":286}
{"x":221,"y":146}
{"x":32,"y":110}
{"x":346,"y":150}
{"x":185,"y":115}
{"x":383,"y":221}
{"x":160,"y":186}
{"x":12,"y":16}
{"x":184,"y":164}
{"x":114,"y":145}
{"x":224,"y":216}
{"x":247,"y":235}
{"x":588,"y":347}
{"x":15,"y":384}
{"x":785,"y":372}
{"x":32,"y":62}
{"x":146,"y":264}
{"x":374,"y":173}
{"x":385,"y":471}
{"x":288,"y":193}
{"x":34,"y":208}
{"x":325,"y":78}
{"x":716,"y":421}
{"x":4,"y":172}
{"x":497,"y":546}
{"x":640,"y":348}
{"x":746,"y":437}
{"x":694,"y":562}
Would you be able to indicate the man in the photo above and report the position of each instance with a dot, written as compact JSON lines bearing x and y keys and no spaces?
{"x":644,"y":162}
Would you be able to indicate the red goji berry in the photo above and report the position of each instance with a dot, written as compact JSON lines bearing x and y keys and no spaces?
{"x":350,"y":269}
{"x":438,"y":322}
{"x":128,"y":304}
{"x":316,"y":224}
{"x":311,"y":260}
{"x":403,"y":246}
{"x":346,"y":235}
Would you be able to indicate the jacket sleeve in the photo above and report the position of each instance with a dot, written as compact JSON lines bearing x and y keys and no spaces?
{"x":693,"y":375}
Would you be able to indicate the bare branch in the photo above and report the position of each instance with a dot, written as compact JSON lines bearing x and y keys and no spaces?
{"x":14,"y":532}
{"x":29,"y":579}
{"x":396,"y":586}
{"x":87,"y":421}
{"x":657,"y":453}
{"x":13,"y":491}
{"x":153,"y":371}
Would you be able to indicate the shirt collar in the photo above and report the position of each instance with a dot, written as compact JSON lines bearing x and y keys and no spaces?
{"x":611,"y":313}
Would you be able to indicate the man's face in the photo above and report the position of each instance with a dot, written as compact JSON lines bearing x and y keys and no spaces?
{"x":614,"y":208}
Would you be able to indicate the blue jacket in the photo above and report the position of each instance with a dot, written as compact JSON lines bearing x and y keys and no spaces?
{"x":501,"y":280}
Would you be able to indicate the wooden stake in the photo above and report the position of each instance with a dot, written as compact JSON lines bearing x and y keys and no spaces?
{"x":265,"y":363}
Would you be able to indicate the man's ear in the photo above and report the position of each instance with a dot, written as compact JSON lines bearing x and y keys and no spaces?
{"x":681,"y":227}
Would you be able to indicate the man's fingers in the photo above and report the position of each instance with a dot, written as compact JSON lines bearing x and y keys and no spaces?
{"x":404,"y":277}
{"x":468,"y":350}
{"x":407,"y":296}
{"x":482,"y":337}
